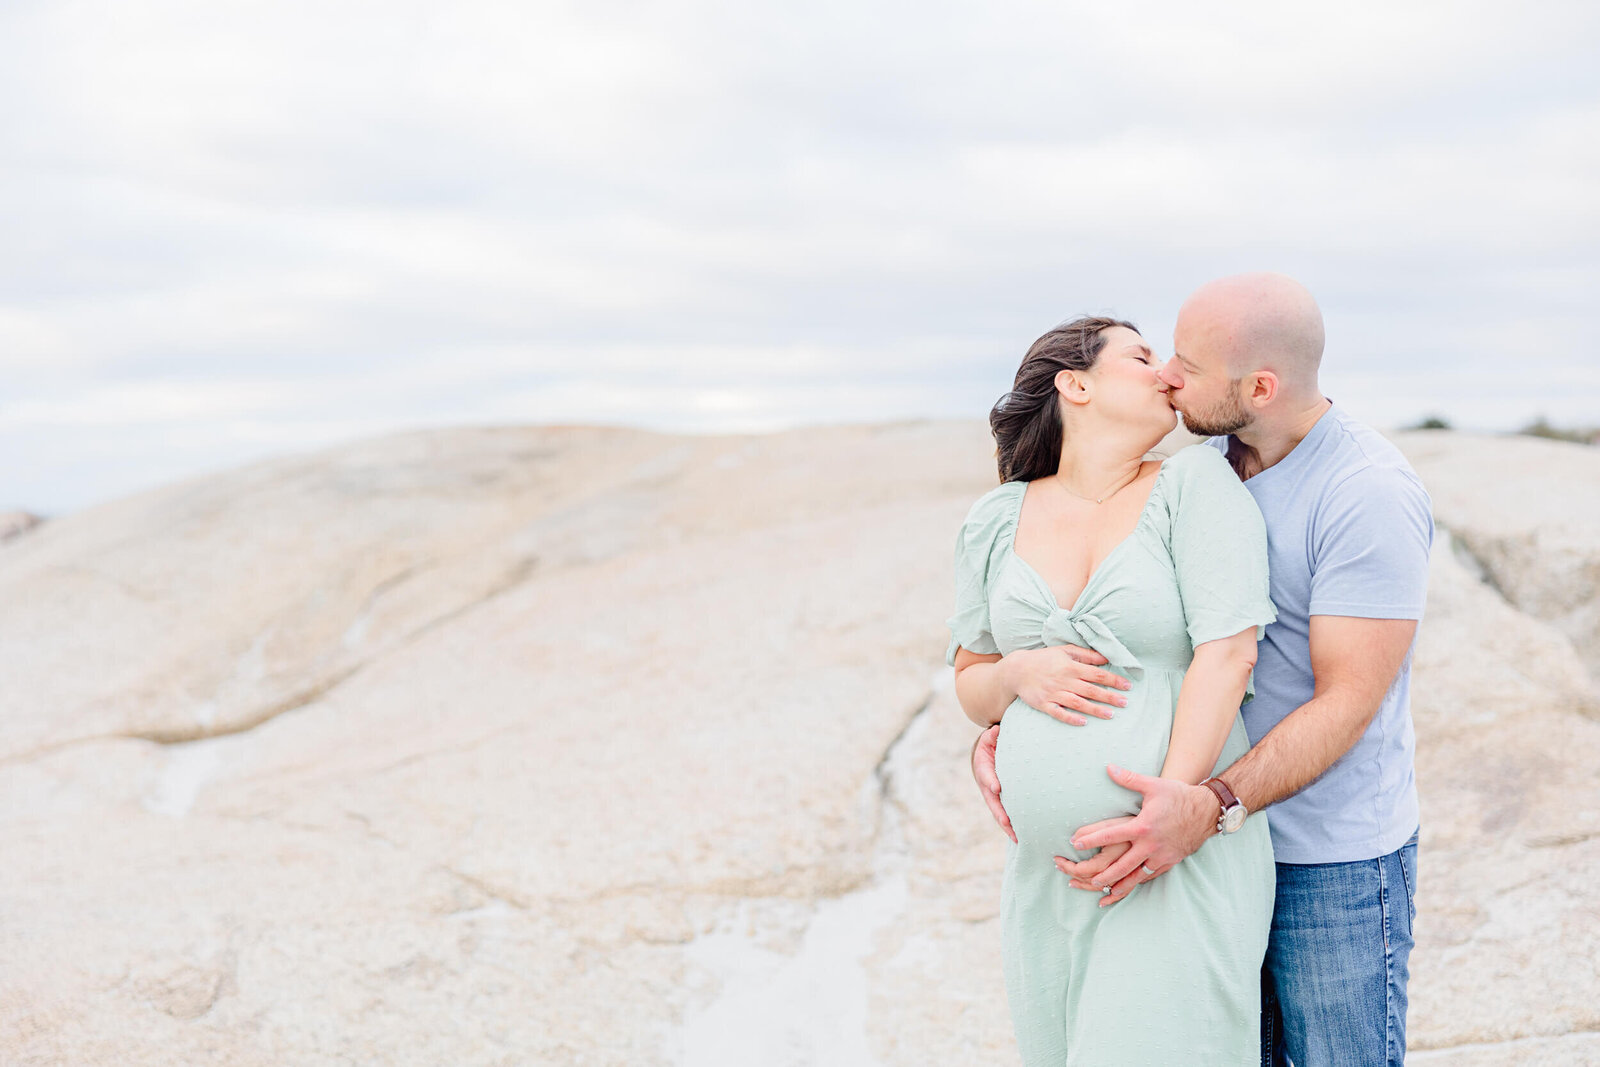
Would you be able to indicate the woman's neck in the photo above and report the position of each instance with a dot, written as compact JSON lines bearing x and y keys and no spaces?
{"x":1094,"y":464}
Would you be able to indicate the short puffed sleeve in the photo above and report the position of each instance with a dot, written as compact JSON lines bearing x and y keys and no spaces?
{"x":979,"y":544}
{"x":1219,"y":548}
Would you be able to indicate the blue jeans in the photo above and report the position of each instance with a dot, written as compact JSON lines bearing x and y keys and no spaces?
{"x":1333,"y":987}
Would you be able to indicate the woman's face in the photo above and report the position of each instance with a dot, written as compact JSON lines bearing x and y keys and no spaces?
{"x":1125,"y":383}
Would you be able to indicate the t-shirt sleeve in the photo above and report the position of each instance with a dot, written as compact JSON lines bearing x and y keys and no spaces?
{"x":1370,"y":545}
{"x":1219,"y":550}
{"x":975,"y":548}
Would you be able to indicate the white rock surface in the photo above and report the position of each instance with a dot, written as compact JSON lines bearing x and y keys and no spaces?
{"x":584,"y":746}
{"x":1528,"y":510}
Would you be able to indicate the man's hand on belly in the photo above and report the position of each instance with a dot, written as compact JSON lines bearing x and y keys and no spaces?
{"x":1173,"y":821}
{"x":1081,"y":873}
{"x":989,"y":781}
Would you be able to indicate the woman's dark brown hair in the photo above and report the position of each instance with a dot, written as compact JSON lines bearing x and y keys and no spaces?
{"x":1026,"y":422}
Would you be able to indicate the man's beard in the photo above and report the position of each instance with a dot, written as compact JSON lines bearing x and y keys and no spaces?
{"x":1226,"y":416}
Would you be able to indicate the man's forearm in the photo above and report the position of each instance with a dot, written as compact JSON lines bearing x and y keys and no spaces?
{"x":1307,"y":742}
{"x":1354,"y":661}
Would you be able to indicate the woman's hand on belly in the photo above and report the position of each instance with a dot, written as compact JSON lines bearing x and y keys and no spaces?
{"x":1065,"y":682}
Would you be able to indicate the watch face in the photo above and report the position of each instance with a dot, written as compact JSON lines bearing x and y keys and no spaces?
{"x":1233,"y":818}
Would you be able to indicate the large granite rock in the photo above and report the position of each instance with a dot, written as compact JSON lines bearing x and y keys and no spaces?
{"x":1507,"y":750}
{"x":582,"y":746}
{"x":1527,"y":511}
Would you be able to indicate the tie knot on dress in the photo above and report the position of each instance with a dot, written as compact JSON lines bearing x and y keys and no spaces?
{"x":1064,"y":627}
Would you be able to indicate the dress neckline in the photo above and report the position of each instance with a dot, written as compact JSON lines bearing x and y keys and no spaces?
{"x":1049,"y":590}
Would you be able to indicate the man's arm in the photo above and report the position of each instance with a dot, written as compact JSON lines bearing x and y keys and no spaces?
{"x":1354,"y":662}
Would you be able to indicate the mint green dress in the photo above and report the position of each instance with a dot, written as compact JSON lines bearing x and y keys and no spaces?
{"x":1171,"y":974}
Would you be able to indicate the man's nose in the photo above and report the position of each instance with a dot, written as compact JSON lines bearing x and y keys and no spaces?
{"x":1170,"y":376}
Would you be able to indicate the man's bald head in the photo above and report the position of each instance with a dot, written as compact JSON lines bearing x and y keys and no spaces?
{"x":1258,"y":322}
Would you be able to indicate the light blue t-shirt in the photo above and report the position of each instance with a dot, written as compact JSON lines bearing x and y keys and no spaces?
{"x":1349,"y":527}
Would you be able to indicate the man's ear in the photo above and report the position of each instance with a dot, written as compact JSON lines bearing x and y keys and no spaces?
{"x":1072,"y":387}
{"x":1260,"y":388}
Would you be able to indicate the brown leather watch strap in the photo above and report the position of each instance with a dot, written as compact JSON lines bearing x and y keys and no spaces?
{"x":1224,"y":794}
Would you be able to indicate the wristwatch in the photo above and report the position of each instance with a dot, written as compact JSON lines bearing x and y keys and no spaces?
{"x":1233,"y":812}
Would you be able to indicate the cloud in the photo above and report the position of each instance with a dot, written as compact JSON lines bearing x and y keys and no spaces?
{"x":271,"y":224}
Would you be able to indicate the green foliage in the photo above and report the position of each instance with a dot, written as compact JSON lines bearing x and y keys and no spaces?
{"x":1432,"y":422}
{"x":1541,"y":427}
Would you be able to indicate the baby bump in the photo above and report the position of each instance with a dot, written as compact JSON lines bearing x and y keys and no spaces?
{"x":1053,"y":776}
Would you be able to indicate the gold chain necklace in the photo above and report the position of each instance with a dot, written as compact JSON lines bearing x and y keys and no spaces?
{"x":1107,"y":496}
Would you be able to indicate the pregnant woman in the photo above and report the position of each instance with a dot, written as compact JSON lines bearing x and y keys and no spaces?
{"x":1161,"y":568}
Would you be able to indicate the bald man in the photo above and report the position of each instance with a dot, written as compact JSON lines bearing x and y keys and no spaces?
{"x":1349,"y":528}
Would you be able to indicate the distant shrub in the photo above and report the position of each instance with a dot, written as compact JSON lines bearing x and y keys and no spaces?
{"x":1432,"y":422}
{"x":1541,"y":427}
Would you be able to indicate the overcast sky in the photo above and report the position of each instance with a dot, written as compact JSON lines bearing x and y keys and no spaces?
{"x":237,"y":229}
